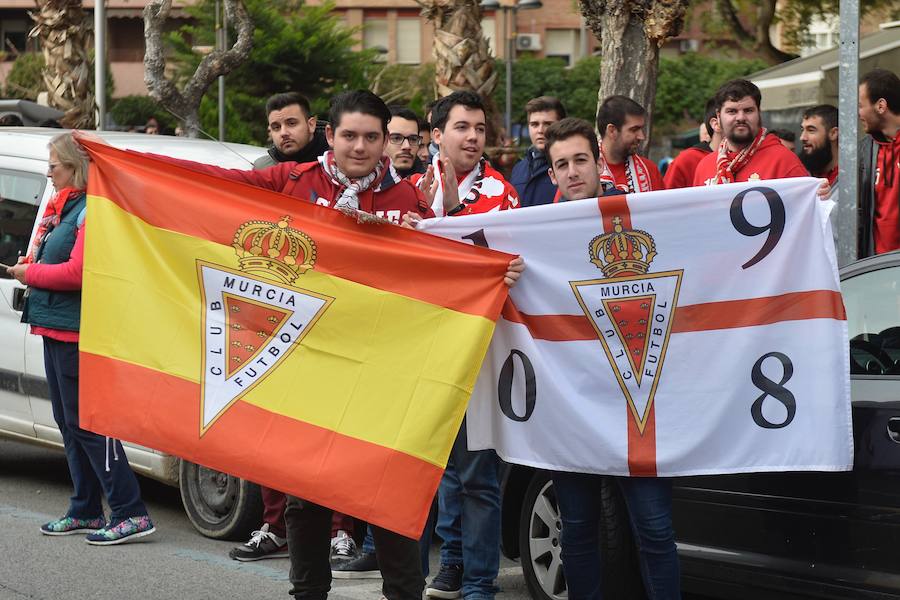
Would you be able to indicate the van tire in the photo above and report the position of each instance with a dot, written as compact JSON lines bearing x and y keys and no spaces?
{"x":218,"y":505}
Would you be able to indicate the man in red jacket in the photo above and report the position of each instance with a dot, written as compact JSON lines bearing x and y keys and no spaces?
{"x":879,"y":163}
{"x":621,"y":122}
{"x":354,"y":175}
{"x":460,"y":181}
{"x":681,"y":172}
{"x":746,"y":152}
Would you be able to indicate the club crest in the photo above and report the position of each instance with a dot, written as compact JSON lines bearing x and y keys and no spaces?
{"x":254,"y":316}
{"x":631,"y":310}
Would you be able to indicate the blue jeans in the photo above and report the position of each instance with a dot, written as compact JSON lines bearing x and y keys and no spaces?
{"x":97,"y":464}
{"x":649,"y":502}
{"x":469,"y":517}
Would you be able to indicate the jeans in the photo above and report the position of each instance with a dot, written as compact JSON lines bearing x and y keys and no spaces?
{"x":649,"y":502}
{"x":97,"y":464}
{"x":309,"y":545}
{"x":469,"y":517}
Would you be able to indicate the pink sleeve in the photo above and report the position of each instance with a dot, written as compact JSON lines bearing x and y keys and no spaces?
{"x":62,"y":276}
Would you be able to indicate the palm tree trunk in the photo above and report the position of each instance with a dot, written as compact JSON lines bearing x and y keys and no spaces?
{"x":66,"y":38}
{"x":461,"y":53}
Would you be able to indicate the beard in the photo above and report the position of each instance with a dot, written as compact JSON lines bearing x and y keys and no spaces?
{"x":817,"y":159}
{"x":742,"y":139}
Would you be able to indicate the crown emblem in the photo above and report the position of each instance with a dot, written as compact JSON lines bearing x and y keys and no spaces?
{"x":274,"y":250}
{"x":622,"y":252}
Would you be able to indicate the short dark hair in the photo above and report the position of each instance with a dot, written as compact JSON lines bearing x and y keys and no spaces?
{"x":784,"y":134}
{"x":546,"y":103}
{"x":710,"y":113}
{"x":359,"y":101}
{"x":614,"y":110}
{"x":881,"y":83}
{"x":424,"y":125}
{"x":827,"y":112}
{"x":442,"y":107}
{"x":279,"y":101}
{"x":403,"y":112}
{"x":570,"y":127}
{"x":737,"y":89}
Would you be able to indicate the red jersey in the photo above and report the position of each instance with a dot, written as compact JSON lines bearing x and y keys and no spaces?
{"x":485,"y":194}
{"x":621,"y":176}
{"x":390,"y":198}
{"x":771,"y":161}
{"x":886,"y":222}
{"x":680,"y":173}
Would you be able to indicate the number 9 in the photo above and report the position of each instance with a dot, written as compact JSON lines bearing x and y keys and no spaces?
{"x":775,"y":226}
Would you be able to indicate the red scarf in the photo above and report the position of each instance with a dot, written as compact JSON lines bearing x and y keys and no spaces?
{"x":726,"y":169}
{"x":635,"y":171}
{"x":52,"y":215}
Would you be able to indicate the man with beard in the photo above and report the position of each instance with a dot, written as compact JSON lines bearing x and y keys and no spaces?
{"x":621,"y":122}
{"x":292,"y":130}
{"x":819,"y":142}
{"x":746,"y":152}
{"x":879,"y":163}
{"x":681,"y":172}
{"x":529,"y":175}
{"x":404,"y":142}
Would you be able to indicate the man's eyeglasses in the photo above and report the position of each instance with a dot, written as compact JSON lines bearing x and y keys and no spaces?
{"x":397,"y":139}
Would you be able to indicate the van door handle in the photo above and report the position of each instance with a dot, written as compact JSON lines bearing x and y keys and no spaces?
{"x":893,"y":429}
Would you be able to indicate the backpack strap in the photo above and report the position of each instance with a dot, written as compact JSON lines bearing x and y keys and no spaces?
{"x":294,"y":176}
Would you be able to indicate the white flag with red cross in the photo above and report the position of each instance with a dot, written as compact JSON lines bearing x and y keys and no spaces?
{"x":680,"y":332}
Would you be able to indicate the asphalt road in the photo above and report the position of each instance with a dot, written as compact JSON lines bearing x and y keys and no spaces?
{"x":174,"y":563}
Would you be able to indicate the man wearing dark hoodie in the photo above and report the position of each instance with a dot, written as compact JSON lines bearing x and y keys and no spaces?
{"x":293,"y":131}
{"x":529,"y":175}
{"x":879,"y":163}
{"x":404,"y":141}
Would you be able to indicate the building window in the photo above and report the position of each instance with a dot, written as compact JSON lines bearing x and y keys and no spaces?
{"x":14,"y":35}
{"x":375,"y":35}
{"x":562,"y":43}
{"x":409,"y":41}
{"x":489,"y":29}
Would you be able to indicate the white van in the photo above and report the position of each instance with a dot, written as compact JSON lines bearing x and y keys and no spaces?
{"x":219,"y":506}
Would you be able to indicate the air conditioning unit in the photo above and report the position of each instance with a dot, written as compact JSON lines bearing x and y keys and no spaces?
{"x":689,"y":45}
{"x":528,"y":41}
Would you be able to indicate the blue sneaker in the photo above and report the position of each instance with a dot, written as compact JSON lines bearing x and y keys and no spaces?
{"x":71,"y":525}
{"x":125,"y":530}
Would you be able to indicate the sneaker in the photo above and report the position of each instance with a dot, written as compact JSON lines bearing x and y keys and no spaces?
{"x":364,"y":566}
{"x":262,"y":544}
{"x":70,"y":525}
{"x":447,"y":583}
{"x":126,"y":530}
{"x":343,"y":548}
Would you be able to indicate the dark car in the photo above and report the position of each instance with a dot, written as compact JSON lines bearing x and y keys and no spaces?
{"x":773,"y":535}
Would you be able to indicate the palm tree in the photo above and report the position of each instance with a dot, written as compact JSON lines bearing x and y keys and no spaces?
{"x":66,"y":39}
{"x":461,"y":53}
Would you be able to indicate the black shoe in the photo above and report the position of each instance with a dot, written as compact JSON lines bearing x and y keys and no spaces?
{"x":447,"y":584}
{"x":364,"y":566}
{"x":262,"y":544}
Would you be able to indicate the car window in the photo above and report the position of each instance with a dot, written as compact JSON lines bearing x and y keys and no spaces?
{"x":873,"y":319}
{"x":20,"y":195}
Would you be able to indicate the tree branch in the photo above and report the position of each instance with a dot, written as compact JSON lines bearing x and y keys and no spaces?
{"x":731,"y":17}
{"x":185,"y":103}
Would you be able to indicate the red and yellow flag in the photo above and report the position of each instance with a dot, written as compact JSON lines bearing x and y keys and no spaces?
{"x":278,"y":340}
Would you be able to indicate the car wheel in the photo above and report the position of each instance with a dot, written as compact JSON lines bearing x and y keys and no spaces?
{"x":218,"y":505}
{"x":539,"y":540}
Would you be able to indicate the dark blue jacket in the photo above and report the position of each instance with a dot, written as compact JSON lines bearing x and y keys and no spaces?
{"x":530,"y":178}
{"x":52,"y":308}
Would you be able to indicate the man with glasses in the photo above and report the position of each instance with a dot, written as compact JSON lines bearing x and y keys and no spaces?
{"x":404,"y":141}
